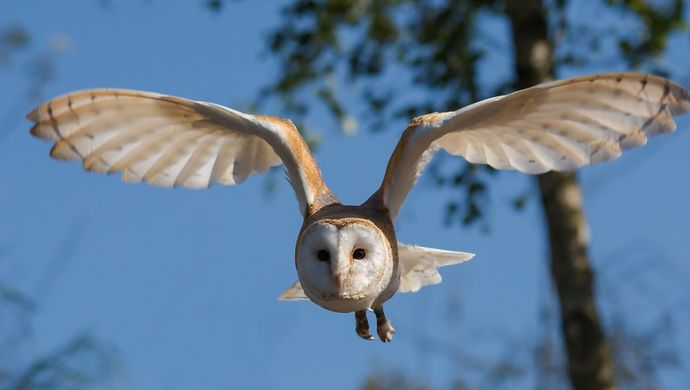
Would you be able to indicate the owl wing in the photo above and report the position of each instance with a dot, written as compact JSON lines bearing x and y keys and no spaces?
{"x":169,"y":141}
{"x":294,"y":293}
{"x":419,"y":265}
{"x":560,"y":125}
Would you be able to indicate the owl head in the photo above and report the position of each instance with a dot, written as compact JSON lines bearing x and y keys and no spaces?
{"x":344,"y":264}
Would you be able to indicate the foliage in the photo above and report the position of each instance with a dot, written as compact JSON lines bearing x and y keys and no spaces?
{"x":424,"y":45}
{"x":404,"y":58}
{"x":659,"y":20}
{"x":78,"y":362}
{"x":12,"y":40}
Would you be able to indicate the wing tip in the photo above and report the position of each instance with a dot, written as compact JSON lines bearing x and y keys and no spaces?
{"x":462,"y":257}
{"x":287,"y":296}
{"x":63,"y":150}
{"x":33,"y":115}
{"x":40,"y":130}
{"x":293,"y":293}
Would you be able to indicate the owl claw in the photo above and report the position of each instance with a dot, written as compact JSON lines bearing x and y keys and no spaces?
{"x":383,"y":327}
{"x":362,"y":328}
{"x":366,"y":336}
{"x":385,"y":332}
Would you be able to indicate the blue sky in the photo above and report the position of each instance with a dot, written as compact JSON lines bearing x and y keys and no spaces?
{"x":184,"y":283}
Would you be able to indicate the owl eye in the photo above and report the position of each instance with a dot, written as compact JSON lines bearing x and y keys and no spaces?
{"x":359,"y":254}
{"x":323,"y":255}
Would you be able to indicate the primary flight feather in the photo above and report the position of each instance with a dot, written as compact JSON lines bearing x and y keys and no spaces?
{"x":347,"y":257}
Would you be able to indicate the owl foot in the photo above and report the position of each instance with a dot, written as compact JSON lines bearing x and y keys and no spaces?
{"x":383,"y":327}
{"x":362,"y":328}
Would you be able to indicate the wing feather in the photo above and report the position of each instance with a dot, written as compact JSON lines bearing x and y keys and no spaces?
{"x":560,"y":125}
{"x":169,"y":141}
{"x":420,"y":265}
{"x":293,"y":293}
{"x":196,"y":171}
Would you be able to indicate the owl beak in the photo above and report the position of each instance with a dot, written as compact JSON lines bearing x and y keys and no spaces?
{"x":338,"y":280}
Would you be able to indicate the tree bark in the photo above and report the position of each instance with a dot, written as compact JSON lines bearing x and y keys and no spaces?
{"x":590,"y":365}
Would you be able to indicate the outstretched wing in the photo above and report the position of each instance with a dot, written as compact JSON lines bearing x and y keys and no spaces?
{"x":420,"y":265}
{"x":560,"y":125}
{"x":169,"y":141}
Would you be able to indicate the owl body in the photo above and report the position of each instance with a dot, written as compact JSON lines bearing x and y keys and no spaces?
{"x":348,"y":257}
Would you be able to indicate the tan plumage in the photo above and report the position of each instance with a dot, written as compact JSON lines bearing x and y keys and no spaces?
{"x":348,"y":257}
{"x":561,"y":125}
{"x":169,"y":141}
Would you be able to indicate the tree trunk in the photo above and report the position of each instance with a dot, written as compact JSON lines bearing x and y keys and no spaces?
{"x":590,"y":365}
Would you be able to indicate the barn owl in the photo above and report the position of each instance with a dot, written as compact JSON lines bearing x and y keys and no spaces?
{"x":347,"y":257}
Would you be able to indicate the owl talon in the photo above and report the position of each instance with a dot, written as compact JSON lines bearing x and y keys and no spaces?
{"x":367,"y":336}
{"x":383,"y":327}
{"x":362,"y":328}
{"x":385,"y":332}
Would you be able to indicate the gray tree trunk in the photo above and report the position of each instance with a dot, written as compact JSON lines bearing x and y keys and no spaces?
{"x":590,"y":363}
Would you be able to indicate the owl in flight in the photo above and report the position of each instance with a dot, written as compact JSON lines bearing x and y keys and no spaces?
{"x":347,"y":257}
